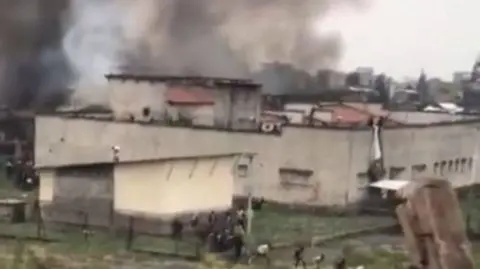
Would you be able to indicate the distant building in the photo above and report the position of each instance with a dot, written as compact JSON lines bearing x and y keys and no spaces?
{"x":331,"y":79}
{"x":366,"y":76}
{"x":459,"y":78}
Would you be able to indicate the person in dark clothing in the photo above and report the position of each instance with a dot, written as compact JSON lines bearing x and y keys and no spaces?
{"x":177,"y":229}
{"x":9,"y":169}
{"x":298,"y":257}
{"x":242,"y":217}
{"x":238,"y":241}
{"x":340,"y":263}
{"x":212,"y":218}
{"x":257,"y":204}
{"x":194,"y":221}
{"x":228,"y":219}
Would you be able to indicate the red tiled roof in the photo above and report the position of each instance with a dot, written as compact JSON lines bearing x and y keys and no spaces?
{"x":189,"y":96}
{"x":346,"y":114}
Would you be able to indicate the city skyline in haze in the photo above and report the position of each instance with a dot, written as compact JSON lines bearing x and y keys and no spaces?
{"x":400,"y":38}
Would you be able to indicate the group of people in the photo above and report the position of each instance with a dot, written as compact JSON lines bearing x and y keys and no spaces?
{"x":220,"y":232}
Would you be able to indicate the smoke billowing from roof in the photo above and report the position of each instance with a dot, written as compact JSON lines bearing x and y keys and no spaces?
{"x":46,"y":48}
{"x":232,"y":38}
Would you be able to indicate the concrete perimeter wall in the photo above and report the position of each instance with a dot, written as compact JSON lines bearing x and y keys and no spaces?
{"x":337,"y":158}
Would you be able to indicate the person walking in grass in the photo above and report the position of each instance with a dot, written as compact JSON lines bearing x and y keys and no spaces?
{"x":298,"y":257}
{"x":262,"y":252}
{"x":317,"y":260}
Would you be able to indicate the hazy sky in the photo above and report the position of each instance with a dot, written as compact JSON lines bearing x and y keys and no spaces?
{"x":400,"y":37}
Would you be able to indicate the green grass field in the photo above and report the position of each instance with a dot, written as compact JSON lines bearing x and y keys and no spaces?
{"x":280,"y":227}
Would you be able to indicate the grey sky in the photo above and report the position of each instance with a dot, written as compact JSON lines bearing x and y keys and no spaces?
{"x":400,"y":37}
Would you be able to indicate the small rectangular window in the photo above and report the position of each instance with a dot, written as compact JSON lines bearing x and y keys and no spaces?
{"x":395,"y":172}
{"x":295,"y":177}
{"x":418,"y":169}
{"x":362,"y":179}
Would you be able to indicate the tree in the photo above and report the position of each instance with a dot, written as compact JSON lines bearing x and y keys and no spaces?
{"x":382,"y":90}
{"x":422,"y":89}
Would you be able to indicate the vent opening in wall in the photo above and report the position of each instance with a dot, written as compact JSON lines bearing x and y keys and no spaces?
{"x":243,"y":166}
{"x":395,"y":172}
{"x":443,"y":166}
{"x":418,"y":170}
{"x":295,"y":177}
{"x":146,"y":112}
{"x":436,"y":168}
{"x":463,"y":163}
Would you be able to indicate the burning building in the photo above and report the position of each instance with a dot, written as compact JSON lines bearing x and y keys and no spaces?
{"x":227,"y":103}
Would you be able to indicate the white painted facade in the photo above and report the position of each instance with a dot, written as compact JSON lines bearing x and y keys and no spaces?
{"x":164,"y":188}
{"x":174,"y":187}
{"x":337,"y":158}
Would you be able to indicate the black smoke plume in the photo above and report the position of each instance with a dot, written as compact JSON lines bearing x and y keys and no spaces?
{"x":33,"y":70}
{"x":234,"y":38}
{"x":48,"y":46}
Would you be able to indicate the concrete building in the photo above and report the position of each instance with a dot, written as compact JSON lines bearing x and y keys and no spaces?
{"x":321,"y":166}
{"x":366,"y":76}
{"x":149,"y":190}
{"x":460,"y":77}
{"x":236,"y":102}
{"x":331,"y":79}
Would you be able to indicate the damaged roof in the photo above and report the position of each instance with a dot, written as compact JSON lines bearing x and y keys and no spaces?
{"x":189,"y":96}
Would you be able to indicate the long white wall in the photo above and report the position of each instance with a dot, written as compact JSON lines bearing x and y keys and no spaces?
{"x":336,"y":157}
{"x":66,"y":141}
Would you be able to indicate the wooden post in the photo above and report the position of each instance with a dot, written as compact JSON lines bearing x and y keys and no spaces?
{"x":130,"y":233}
{"x":86,"y":228}
{"x":39,"y":219}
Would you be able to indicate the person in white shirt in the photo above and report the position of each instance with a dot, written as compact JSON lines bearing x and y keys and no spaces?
{"x":261,"y":252}
{"x":317,"y":260}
